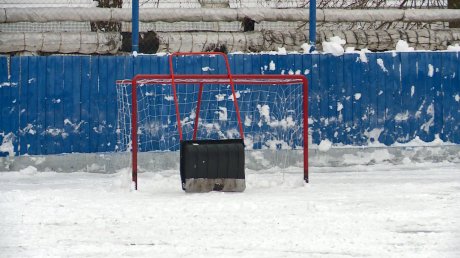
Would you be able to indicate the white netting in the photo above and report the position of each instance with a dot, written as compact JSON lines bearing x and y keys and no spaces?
{"x":272,"y":115}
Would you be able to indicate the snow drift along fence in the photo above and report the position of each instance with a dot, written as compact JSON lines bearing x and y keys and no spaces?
{"x":64,"y":104}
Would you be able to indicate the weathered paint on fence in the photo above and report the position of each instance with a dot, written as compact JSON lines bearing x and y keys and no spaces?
{"x":64,"y":104}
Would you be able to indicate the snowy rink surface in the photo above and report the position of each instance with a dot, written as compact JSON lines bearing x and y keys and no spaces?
{"x":359,"y":211}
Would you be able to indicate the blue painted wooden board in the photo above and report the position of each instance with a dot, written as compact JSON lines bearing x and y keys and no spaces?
{"x":85,"y":105}
{"x":380,"y":91}
{"x":67,"y":100}
{"x":60,"y":104}
{"x":5,"y":105}
{"x":12,"y":114}
{"x":102,"y":94}
{"x":33,"y":143}
{"x":455,"y":131}
{"x":94,"y":125}
{"x":23,"y":105}
{"x":437,"y":96}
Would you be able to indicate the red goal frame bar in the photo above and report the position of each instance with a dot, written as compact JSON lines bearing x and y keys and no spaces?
{"x":203,"y":79}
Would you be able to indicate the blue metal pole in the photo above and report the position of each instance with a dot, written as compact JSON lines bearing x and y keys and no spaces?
{"x":135,"y":26}
{"x":312,"y":34}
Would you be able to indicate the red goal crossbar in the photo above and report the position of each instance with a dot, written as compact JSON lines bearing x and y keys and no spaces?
{"x":203,"y":79}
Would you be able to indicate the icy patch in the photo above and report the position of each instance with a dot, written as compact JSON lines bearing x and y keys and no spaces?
{"x":457,"y":98}
{"x":412,"y":90}
{"x":30,"y":170}
{"x":430,"y":70}
{"x":402,"y":46}
{"x":135,"y":53}
{"x":307,"y":71}
{"x":169,"y":98}
{"x":325,"y":145}
{"x":272,"y":66}
{"x":334,"y":46}
{"x":382,"y":65}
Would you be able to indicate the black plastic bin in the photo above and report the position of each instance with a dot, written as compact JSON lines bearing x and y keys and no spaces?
{"x":212,"y":165}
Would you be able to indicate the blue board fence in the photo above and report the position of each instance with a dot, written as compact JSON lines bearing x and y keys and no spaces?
{"x":65,"y":104}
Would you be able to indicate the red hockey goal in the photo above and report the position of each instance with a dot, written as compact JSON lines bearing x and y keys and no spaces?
{"x":270,"y":112}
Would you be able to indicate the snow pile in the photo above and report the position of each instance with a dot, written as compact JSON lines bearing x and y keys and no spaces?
{"x":430,"y":70}
{"x":325,"y":145}
{"x":305,"y":48}
{"x":30,"y":170}
{"x":455,"y":47}
{"x":123,"y":180}
{"x":379,"y":156}
{"x":357,"y":96}
{"x":362,"y":53}
{"x":402,"y":46}
{"x":272,"y":66}
{"x":359,"y":211}
{"x":282,"y":51}
{"x":7,"y":144}
{"x":417,"y":142}
{"x":334,"y":46}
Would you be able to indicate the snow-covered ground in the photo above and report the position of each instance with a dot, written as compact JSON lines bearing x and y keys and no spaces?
{"x":409,"y":210}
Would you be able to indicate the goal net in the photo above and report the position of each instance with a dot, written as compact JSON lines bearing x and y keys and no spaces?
{"x":156,"y":112}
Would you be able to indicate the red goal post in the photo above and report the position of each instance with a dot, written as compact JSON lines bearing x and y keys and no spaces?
{"x":202,"y":80}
